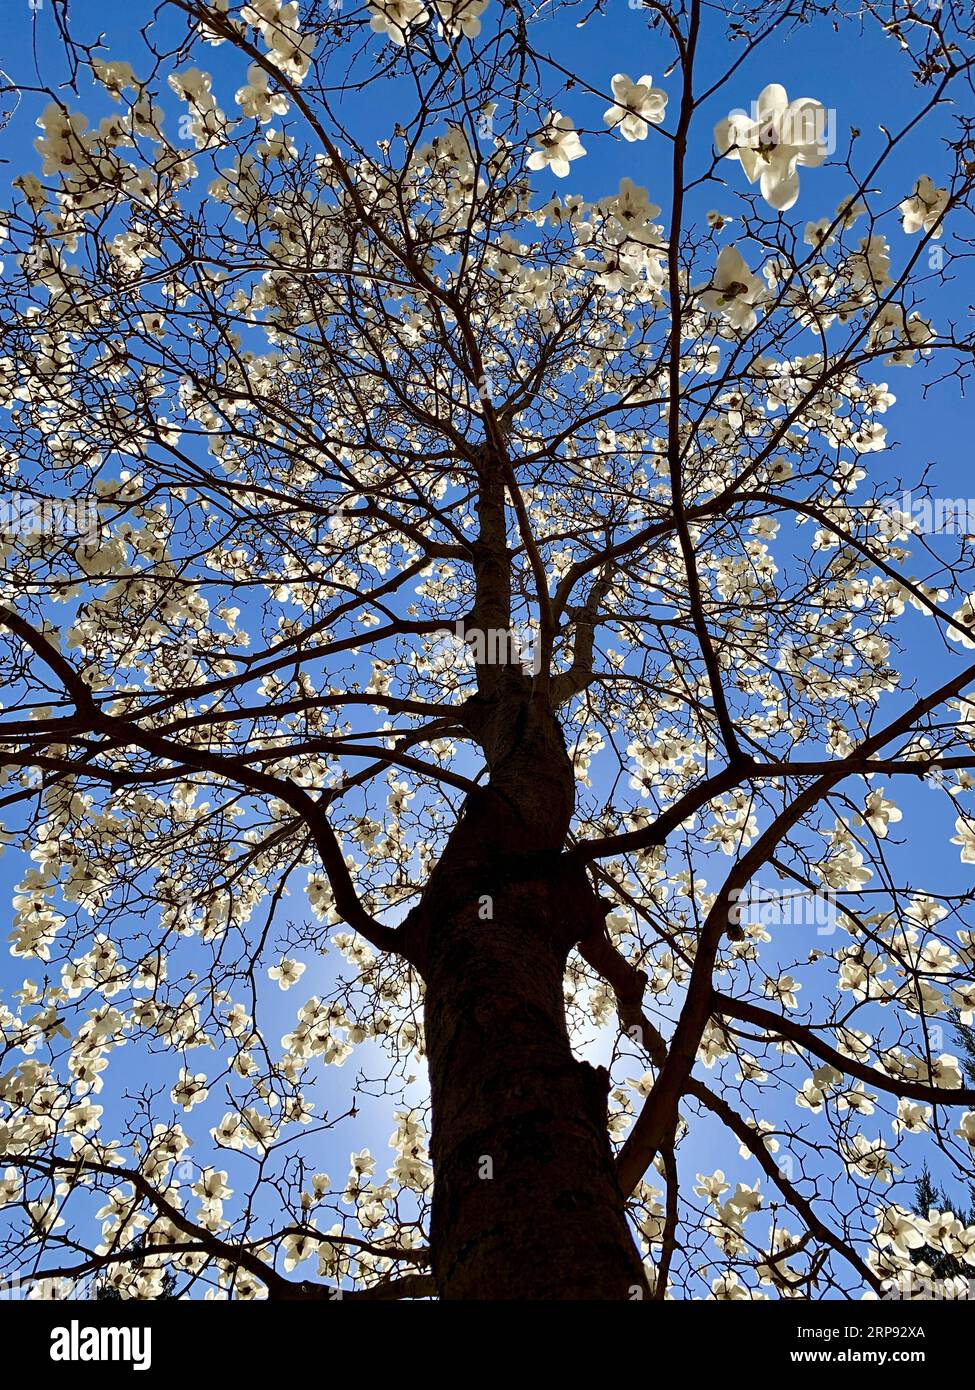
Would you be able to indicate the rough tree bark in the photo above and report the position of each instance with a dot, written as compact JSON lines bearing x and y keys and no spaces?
{"x":526,"y":1202}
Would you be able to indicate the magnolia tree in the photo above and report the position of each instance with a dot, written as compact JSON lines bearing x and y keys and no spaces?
{"x":477,"y":612}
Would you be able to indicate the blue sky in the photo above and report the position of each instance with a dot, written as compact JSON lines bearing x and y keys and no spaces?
{"x":859,"y":76}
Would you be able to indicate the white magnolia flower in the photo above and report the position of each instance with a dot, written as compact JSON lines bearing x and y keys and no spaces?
{"x":257,"y":100}
{"x":300,"y":1246}
{"x":944,"y":1071}
{"x":963,"y":999}
{"x":890,"y":328}
{"x":189,"y":1090}
{"x":849,"y":211}
{"x":924,"y":208}
{"x":212,"y":1185}
{"x":870,"y":1158}
{"x":782,"y":135}
{"x":633,"y":208}
{"x":879,"y":813}
{"x":734,"y":291}
{"x":784,"y":990}
{"x":911,"y":1117}
{"x":965,"y":836}
{"x":288,"y":49}
{"x":943,"y":1230}
{"x":558,"y":144}
{"x":460,"y":17}
{"x":868,"y":268}
{"x":114,"y":76}
{"x":965,"y":617}
{"x":11,"y":1186}
{"x":898,"y":1228}
{"x":711,"y":1185}
{"x":394,"y":18}
{"x":287,"y":973}
{"x":638,"y":106}
{"x":844,"y":868}
{"x":190,"y":85}
{"x":817,"y":233}
{"x":743,"y":1202}
{"x":44,"y":1215}
{"x":878,"y":398}
{"x":728,"y":1288}
{"x":966,"y":1128}
{"x":869,"y":439}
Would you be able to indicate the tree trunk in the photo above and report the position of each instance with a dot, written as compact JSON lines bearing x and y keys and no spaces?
{"x":526,"y":1204}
